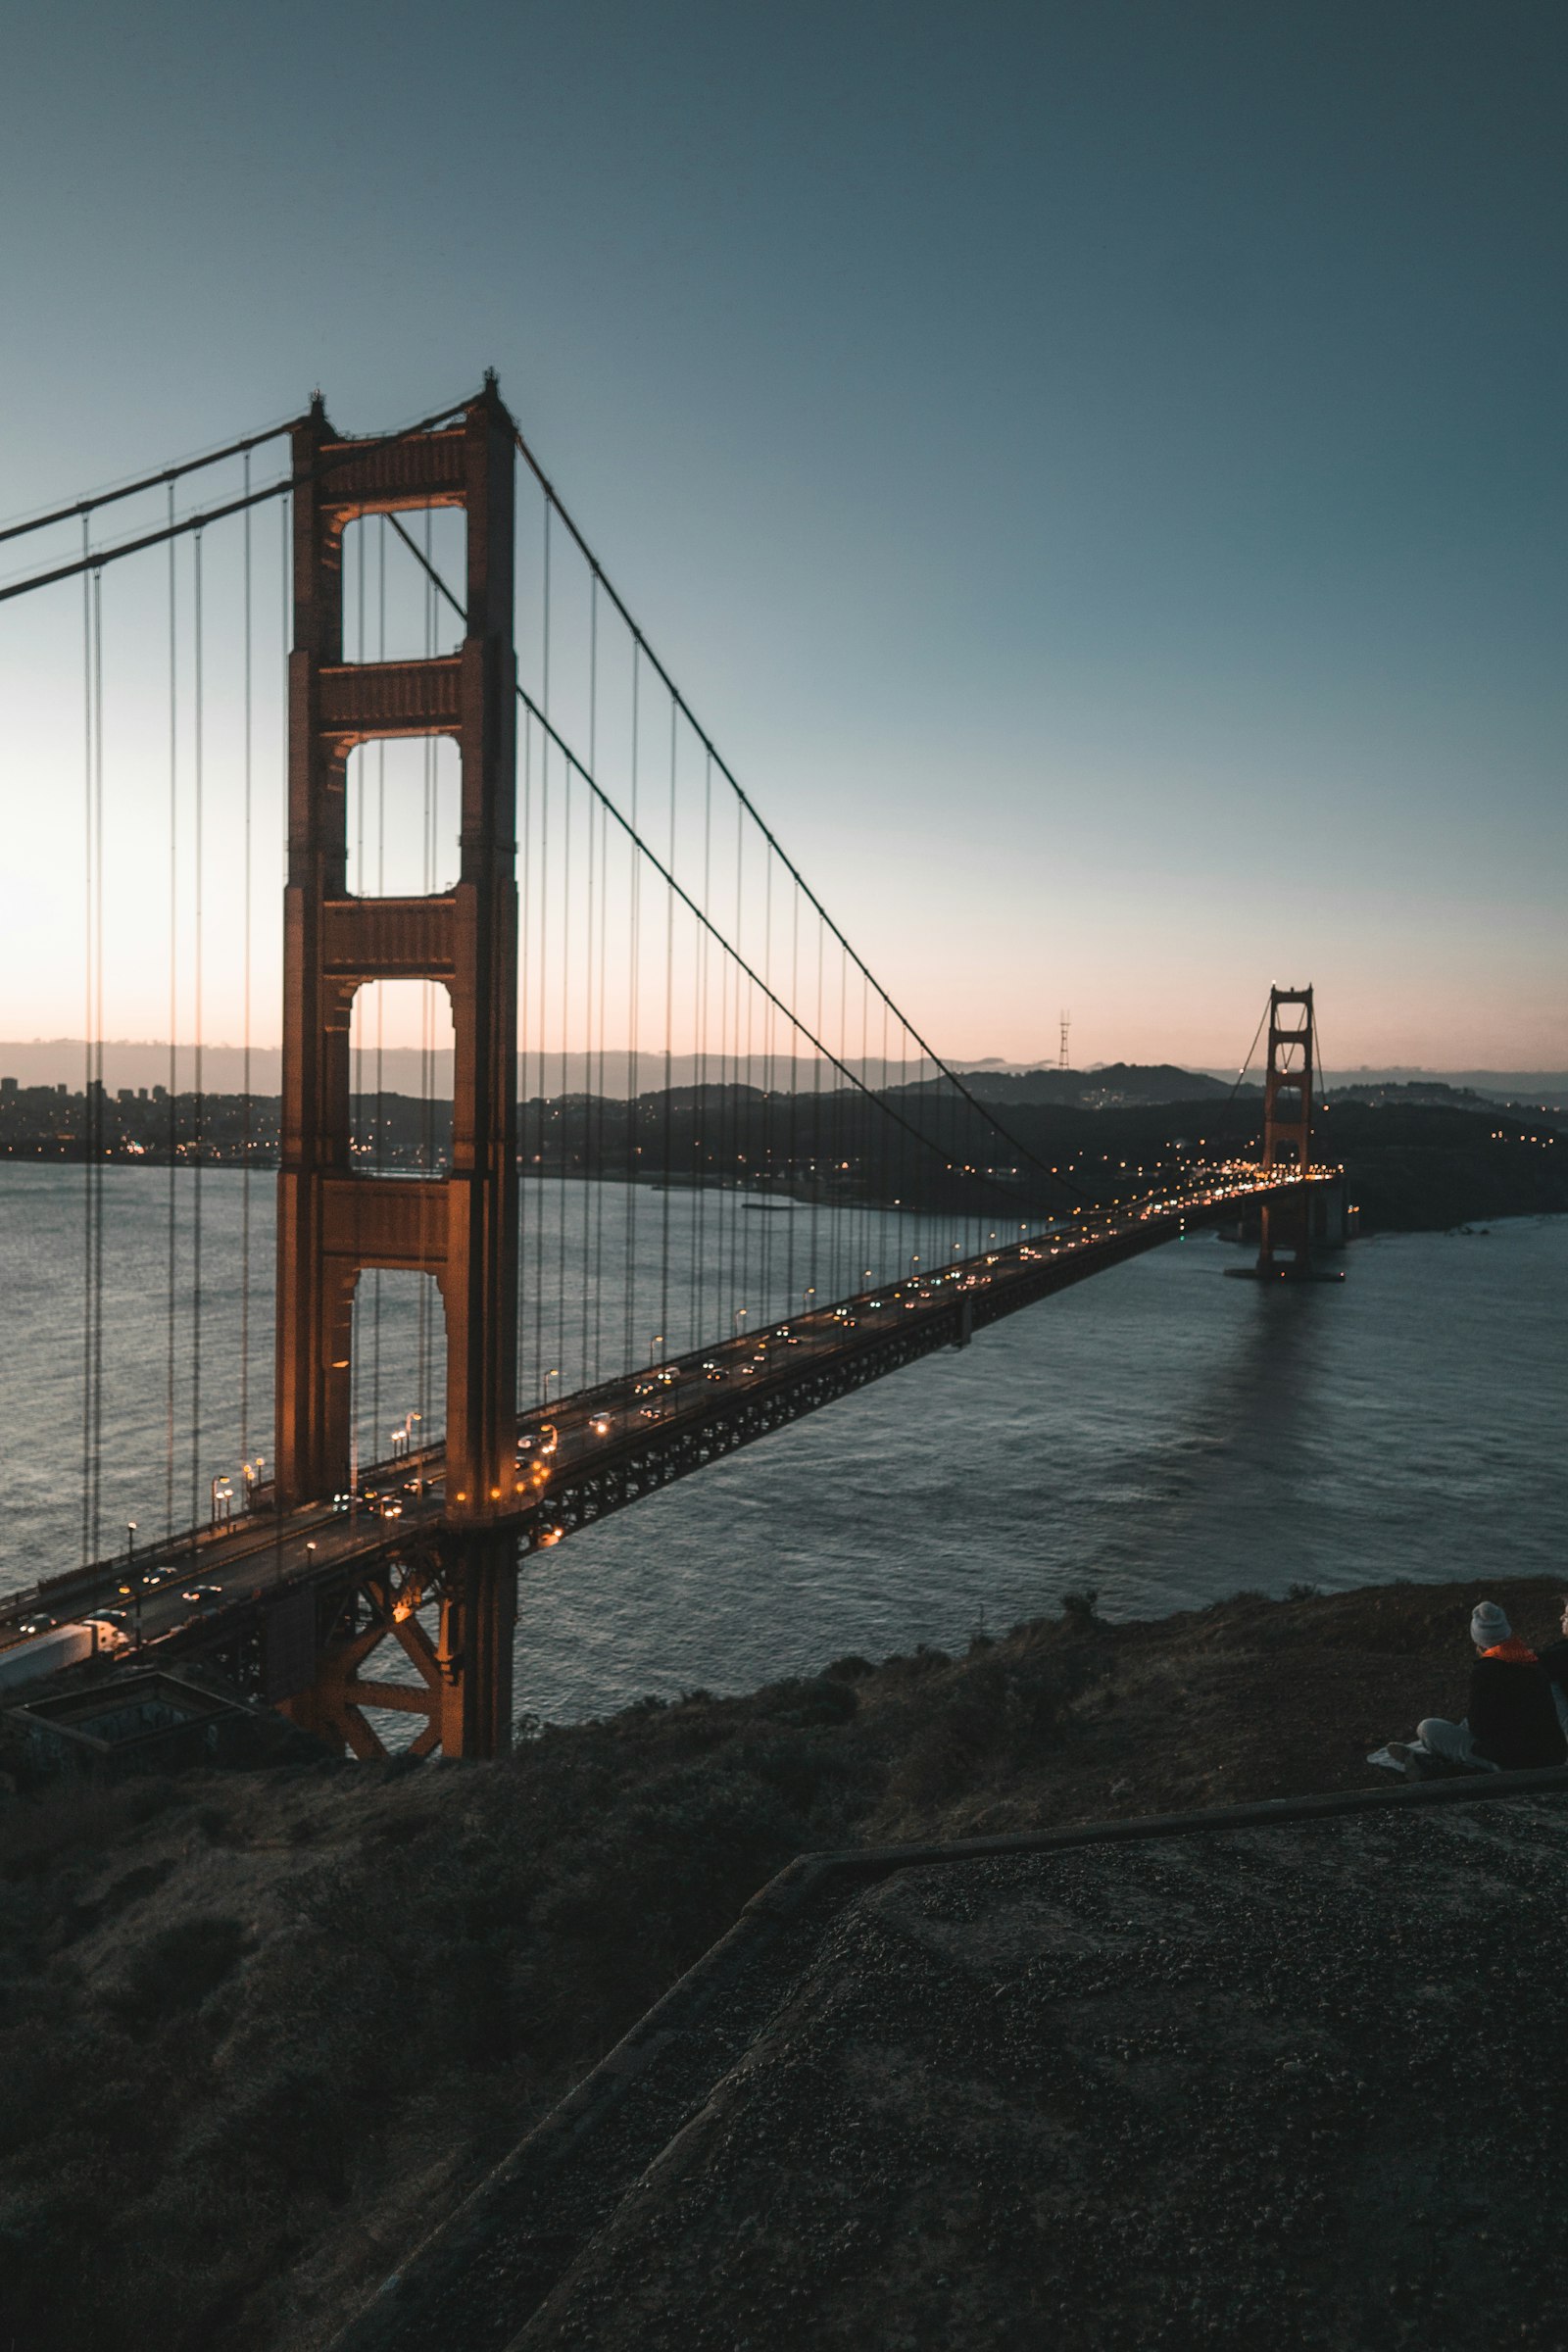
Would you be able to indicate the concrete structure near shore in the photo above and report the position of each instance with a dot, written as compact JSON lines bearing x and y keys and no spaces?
{"x":1286,"y":2073}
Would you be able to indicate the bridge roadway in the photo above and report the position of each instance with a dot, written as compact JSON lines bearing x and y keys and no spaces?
{"x":604,"y":1448}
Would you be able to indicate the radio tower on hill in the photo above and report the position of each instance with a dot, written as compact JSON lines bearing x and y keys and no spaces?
{"x":1066,"y":1025}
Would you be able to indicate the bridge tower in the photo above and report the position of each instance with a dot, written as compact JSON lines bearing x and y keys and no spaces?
{"x":1285,"y":1244}
{"x":332,"y":1223}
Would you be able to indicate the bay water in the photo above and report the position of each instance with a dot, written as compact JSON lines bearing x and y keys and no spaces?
{"x":1156,"y":1433}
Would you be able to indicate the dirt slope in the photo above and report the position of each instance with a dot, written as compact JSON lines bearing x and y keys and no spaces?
{"x":259,"y":2031}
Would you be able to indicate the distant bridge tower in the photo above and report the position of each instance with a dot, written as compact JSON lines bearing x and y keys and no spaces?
{"x":1286,"y":1232}
{"x":332,"y":1223}
{"x":1066,"y":1025}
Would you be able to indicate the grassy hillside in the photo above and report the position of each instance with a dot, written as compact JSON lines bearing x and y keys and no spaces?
{"x":261,"y":2030}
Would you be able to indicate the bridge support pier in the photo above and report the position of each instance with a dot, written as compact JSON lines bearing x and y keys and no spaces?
{"x":478,"y":1619}
{"x":461,"y":1686}
{"x":461,"y":1226}
{"x":1285,"y":1238}
{"x":1293,"y":1214}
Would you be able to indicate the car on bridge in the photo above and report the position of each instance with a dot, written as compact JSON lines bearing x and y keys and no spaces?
{"x":202,"y":1597}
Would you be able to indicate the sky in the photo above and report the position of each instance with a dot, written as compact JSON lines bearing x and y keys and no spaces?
{"x":1097,"y":471}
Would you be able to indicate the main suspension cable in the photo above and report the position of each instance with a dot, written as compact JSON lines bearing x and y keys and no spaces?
{"x":652,"y":857}
{"x":640,"y":640}
{"x":90,"y":504}
{"x":349,"y":455}
{"x":630,"y":829}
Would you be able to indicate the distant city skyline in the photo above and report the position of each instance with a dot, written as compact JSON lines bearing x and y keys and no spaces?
{"x":1098,"y":474}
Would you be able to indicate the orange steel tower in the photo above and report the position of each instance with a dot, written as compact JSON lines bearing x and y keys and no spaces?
{"x":332,"y":1222}
{"x":1288,"y":1130}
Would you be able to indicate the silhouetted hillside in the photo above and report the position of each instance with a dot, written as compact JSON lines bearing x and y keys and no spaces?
{"x":1113,"y":1084}
{"x":264,"y":2029}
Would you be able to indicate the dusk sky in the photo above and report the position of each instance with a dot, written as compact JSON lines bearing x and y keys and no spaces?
{"x":1096,"y":470}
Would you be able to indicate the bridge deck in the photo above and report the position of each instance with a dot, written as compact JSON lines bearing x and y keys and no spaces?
{"x":604,"y":1448}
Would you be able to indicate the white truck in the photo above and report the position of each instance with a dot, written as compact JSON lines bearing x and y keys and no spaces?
{"x":38,"y":1654}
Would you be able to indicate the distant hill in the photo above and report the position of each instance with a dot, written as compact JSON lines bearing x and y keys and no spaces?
{"x":1115,"y":1086}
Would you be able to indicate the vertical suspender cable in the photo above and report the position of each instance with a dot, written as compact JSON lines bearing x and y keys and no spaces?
{"x":588,"y":1178}
{"x":422,"y":1314}
{"x":524,"y":970}
{"x":245,"y":1032}
{"x":604,"y":974}
{"x":601,"y":1107}
{"x":98,"y":1057}
{"x":286,"y":583}
{"x":860,"y":1271}
{"x":765,"y":1144}
{"x":702,"y":1155}
{"x":633,"y":1106}
{"x":90,"y":1146}
{"x":792,"y":1147}
{"x":541,"y":1195}
{"x":748,"y":1227}
{"x":667,"y":1172}
{"x":97,"y":1033}
{"x":174,"y":1031}
{"x":562,"y":1159}
{"x":886,"y":1185}
{"x":380,"y":993}
{"x":732,"y":1156}
{"x":198,"y":1137}
{"x":356,"y":1011}
{"x":818,"y":1136}
{"x":544,"y":970}
{"x":698,"y":1029}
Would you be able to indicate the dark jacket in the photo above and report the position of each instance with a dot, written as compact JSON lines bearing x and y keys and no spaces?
{"x":1511,"y":1716}
{"x":1554,"y":1662}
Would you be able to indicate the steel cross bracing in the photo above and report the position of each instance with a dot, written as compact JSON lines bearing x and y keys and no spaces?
{"x":305,"y":1597}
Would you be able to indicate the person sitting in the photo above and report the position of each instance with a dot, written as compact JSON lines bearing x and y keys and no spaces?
{"x":1554,"y":1666}
{"x":1512,"y":1724}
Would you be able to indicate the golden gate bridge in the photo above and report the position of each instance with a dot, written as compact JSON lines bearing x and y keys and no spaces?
{"x":587,"y":896}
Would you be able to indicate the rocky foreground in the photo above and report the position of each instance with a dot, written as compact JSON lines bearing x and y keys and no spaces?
{"x":261,"y":2031}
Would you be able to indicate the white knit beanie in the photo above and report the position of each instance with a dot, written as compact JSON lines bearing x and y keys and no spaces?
{"x":1488,"y":1625}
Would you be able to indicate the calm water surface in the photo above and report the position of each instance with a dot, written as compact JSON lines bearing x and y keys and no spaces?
{"x":1157,"y":1432}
